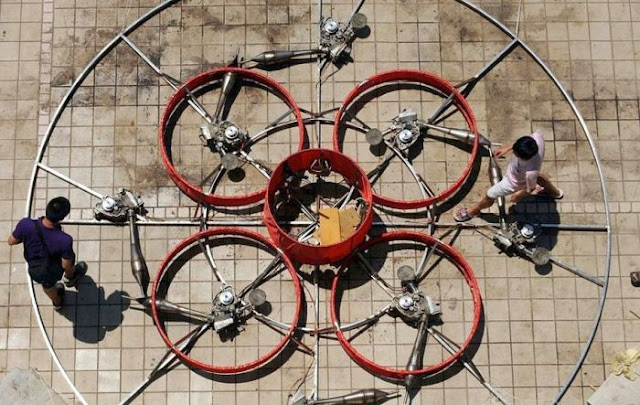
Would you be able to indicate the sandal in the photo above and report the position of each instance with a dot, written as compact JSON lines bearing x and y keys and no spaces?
{"x":559,"y":196}
{"x":462,"y":215}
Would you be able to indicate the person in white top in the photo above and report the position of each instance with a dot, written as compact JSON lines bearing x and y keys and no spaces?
{"x":522,"y":178}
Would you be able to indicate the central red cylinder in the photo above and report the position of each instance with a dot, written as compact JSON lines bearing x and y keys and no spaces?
{"x":304,"y":161}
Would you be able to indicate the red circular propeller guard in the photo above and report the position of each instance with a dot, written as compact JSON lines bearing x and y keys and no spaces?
{"x":465,"y":270}
{"x":429,"y":79}
{"x":190,"y":241}
{"x":303,"y":252}
{"x":195,"y":191}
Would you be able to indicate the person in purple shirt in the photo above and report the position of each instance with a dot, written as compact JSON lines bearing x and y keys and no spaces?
{"x":57,"y":246}
{"x":523,"y":176}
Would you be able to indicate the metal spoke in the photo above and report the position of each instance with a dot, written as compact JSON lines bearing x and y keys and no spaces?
{"x":451,"y":347}
{"x":269,"y":272}
{"x":344,"y":200}
{"x":280,"y":328}
{"x":375,"y":276}
{"x":377,"y":171}
{"x":70,"y":181}
{"x":307,"y":233}
{"x":422,"y":272}
{"x":185,"y":345}
{"x":174,"y":83}
{"x":424,"y":188}
{"x":265,"y":171}
{"x":217,"y":176}
{"x":369,"y":321}
{"x":206,"y":249}
{"x":469,"y":84}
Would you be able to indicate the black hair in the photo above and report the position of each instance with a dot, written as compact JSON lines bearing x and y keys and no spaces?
{"x":525,"y":147}
{"x":57,"y":209}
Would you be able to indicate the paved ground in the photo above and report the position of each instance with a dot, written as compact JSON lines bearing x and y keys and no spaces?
{"x":535,"y":322}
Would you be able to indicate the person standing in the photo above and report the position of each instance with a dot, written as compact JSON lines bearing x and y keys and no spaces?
{"x":523,"y":176}
{"x":48,"y":251}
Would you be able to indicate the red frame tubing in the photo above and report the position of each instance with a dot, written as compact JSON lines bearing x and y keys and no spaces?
{"x":303,"y":252}
{"x":429,"y":79}
{"x":210,"y":367}
{"x":195,"y":191}
{"x":463,"y":267}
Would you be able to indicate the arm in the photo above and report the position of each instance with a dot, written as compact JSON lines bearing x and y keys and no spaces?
{"x":67,"y":265}
{"x":500,"y":152}
{"x":13,"y":240}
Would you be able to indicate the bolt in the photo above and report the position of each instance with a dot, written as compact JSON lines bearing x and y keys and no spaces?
{"x":405,"y":136}
{"x":226,"y":298}
{"x":231,"y":133}
{"x":331,"y":26}
{"x":405,"y":302}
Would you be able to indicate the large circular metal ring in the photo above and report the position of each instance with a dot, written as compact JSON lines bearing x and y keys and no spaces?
{"x":224,"y":234}
{"x":309,"y":161}
{"x":446,"y":90}
{"x":182,"y":95}
{"x":393,"y":372}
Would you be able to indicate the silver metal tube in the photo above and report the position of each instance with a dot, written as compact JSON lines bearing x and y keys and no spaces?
{"x":375,"y":276}
{"x":424,"y":189}
{"x":367,"y":320}
{"x":138,"y":264}
{"x":168,"y":79}
{"x":70,"y":181}
{"x":474,"y":372}
{"x":228,"y":81}
{"x":577,"y":271}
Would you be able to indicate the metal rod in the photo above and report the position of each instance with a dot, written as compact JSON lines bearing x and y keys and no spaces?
{"x":577,"y":271}
{"x":258,"y":222}
{"x":208,"y":254}
{"x":444,"y":342}
{"x":370,"y":319}
{"x":69,"y":180}
{"x":192,"y":101}
{"x":316,"y":348}
{"x":165,"y":362}
{"x":499,"y":57}
{"x":375,"y":276}
{"x":264,"y":276}
{"x":424,"y":189}
{"x":355,"y":10}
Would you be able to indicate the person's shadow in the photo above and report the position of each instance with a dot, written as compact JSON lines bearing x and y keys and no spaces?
{"x":93,"y":314}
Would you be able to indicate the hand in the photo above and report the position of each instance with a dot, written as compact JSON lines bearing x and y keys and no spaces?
{"x":537,"y":190}
{"x":500,"y":152}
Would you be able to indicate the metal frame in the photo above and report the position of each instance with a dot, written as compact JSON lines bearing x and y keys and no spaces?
{"x":465,"y":88}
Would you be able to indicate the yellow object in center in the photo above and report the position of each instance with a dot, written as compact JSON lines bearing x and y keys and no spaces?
{"x":336,"y":225}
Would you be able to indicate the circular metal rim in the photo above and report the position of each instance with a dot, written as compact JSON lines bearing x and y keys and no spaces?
{"x":429,"y":79}
{"x":55,"y":118}
{"x":463,"y":267}
{"x":317,"y":255}
{"x":210,"y":367}
{"x":194,"y":191}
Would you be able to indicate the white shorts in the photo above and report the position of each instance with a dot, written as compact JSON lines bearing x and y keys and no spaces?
{"x":502,"y":189}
